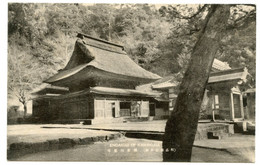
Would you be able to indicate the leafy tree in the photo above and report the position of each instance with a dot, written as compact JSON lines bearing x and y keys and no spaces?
{"x":181,"y":127}
{"x":23,"y":76}
{"x":141,"y":29}
{"x":239,"y":46}
{"x":240,"y":39}
{"x":32,"y":56}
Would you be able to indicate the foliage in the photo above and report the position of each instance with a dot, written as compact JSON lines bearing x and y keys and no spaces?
{"x":238,"y":48}
{"x":41,"y":37}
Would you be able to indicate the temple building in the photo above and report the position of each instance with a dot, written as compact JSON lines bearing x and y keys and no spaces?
{"x":224,"y":95}
{"x":97,"y":85}
{"x":223,"y":98}
{"x":101,"y":84}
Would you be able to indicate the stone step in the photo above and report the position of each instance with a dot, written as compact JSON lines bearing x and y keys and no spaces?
{"x":214,"y":131}
{"x":218,"y":135}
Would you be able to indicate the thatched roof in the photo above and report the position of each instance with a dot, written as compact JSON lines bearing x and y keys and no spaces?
{"x":44,"y":89}
{"x":102,"y":55}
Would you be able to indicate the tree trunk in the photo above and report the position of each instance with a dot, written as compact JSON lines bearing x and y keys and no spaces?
{"x":25,"y":110}
{"x":182,"y":125}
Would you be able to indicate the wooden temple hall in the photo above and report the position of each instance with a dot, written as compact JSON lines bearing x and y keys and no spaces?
{"x":98,"y":84}
{"x":224,"y":94}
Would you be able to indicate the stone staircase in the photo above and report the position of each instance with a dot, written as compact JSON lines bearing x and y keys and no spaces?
{"x":214,"y":131}
{"x":221,"y":134}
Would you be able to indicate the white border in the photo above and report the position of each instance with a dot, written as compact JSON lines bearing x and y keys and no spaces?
{"x":3,"y":64}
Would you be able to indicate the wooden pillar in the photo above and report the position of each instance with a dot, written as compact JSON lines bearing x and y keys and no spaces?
{"x":94,"y":108}
{"x":171,"y":96}
{"x":117,"y":108}
{"x":232,"y":114}
{"x":105,"y":103}
{"x":141,"y":108}
{"x":241,"y":106}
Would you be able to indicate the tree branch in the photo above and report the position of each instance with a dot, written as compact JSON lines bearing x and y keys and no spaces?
{"x":250,"y":14}
{"x":14,"y":92}
{"x":252,"y":5}
{"x":200,"y":10}
{"x":243,"y":21}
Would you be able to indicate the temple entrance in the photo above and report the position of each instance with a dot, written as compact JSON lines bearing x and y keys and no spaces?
{"x":152,"y":109}
{"x":125,"y":109}
{"x":109,"y":107}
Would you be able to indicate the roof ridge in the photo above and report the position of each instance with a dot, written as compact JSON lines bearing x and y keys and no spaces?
{"x":93,"y":45}
{"x":81,"y":35}
{"x":229,"y":70}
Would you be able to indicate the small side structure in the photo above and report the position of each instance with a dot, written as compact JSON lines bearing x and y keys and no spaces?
{"x":163,"y":105}
{"x":96,"y":86}
{"x":223,"y":98}
{"x":225,"y":94}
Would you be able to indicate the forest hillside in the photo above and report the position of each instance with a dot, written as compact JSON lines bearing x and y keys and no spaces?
{"x":41,"y":38}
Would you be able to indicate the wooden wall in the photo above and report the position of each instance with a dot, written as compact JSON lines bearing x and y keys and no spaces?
{"x":144,"y":108}
{"x":80,"y":107}
{"x":251,"y":105}
{"x":85,"y":107}
{"x":41,"y":109}
{"x":106,"y":108}
{"x":162,"y":110}
{"x":224,"y":105}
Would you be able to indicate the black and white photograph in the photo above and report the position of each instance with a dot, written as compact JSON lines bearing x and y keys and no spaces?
{"x":130,"y":82}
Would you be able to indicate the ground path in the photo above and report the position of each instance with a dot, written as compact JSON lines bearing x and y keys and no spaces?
{"x":128,"y":149}
{"x":237,"y":148}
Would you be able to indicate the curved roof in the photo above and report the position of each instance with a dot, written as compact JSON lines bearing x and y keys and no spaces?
{"x":219,"y":65}
{"x":103,"y":56}
{"x":118,"y":64}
